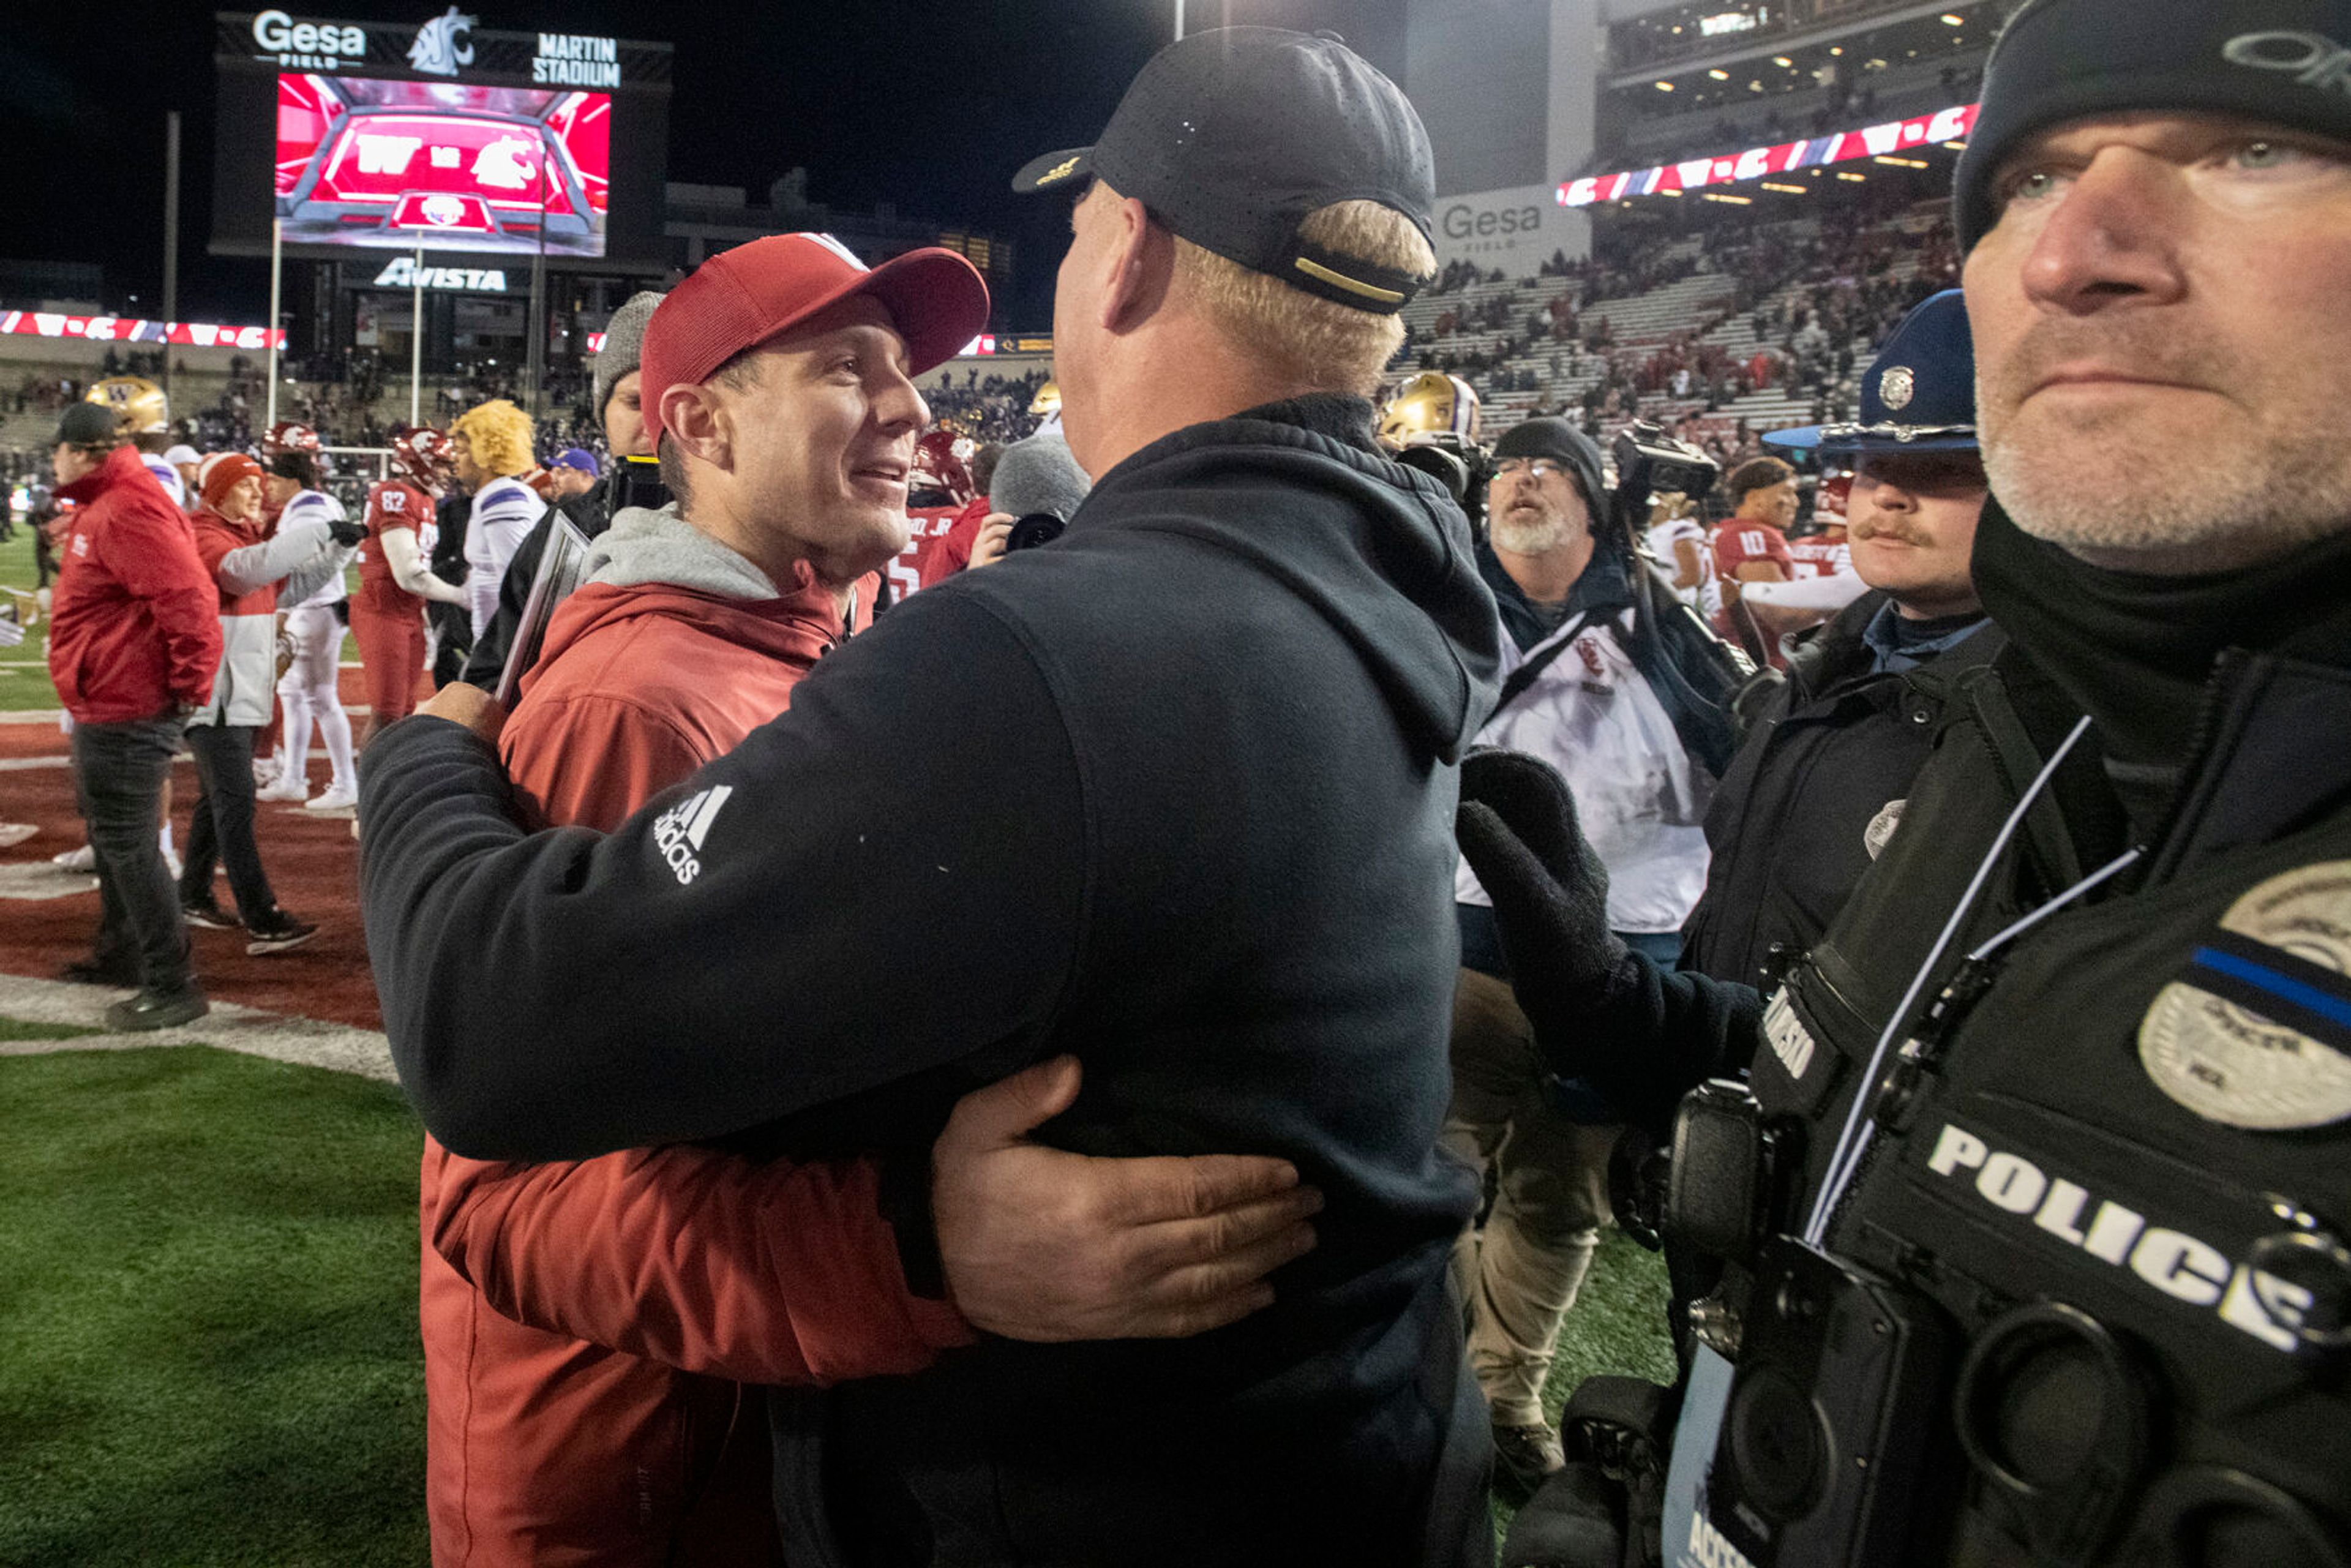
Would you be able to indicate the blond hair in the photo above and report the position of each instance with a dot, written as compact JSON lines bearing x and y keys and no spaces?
{"x":500,"y":434}
{"x":1314,"y":342}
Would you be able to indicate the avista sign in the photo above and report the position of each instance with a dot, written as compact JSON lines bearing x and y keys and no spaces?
{"x":403,"y":273}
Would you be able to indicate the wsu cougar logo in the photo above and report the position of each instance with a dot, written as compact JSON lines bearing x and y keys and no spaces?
{"x":435,"y":50}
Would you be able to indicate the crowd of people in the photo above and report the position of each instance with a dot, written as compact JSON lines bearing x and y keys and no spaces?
{"x":1080,"y":1039}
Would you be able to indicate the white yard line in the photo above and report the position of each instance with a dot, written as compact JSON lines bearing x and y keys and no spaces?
{"x":277,"y":1036}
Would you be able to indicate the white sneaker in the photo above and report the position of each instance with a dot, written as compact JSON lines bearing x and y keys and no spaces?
{"x":265,"y":771}
{"x":15,"y":834}
{"x":82,"y":859}
{"x":336,"y":798}
{"x":294,"y":788}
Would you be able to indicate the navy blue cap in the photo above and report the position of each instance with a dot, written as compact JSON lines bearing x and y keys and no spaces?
{"x":1231,"y":136}
{"x":1918,"y":395}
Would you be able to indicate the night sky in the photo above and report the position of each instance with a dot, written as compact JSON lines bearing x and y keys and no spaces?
{"x":926,"y":104}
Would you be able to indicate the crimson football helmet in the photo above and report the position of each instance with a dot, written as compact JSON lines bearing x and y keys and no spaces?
{"x":936,"y":466}
{"x":421,"y":456}
{"x":290,"y":435}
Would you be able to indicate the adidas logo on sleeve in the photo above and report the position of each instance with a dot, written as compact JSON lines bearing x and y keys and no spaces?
{"x":679,"y":831}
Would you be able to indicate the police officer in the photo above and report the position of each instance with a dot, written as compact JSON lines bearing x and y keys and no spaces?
{"x":1832,"y":743}
{"x":2062,"y":1094}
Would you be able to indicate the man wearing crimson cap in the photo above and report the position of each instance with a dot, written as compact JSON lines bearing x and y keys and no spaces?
{"x":1172,"y":794}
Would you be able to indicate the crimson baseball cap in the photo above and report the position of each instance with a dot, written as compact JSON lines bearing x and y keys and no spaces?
{"x":745,"y":296}
{"x":1231,"y":136}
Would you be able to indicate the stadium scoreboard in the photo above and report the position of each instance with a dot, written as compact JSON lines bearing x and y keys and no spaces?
{"x":438,"y":133}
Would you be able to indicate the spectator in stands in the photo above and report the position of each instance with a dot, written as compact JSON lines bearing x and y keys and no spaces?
{"x":616,"y":380}
{"x":133,"y":645}
{"x":249,"y":566}
{"x":1627,"y":703}
{"x":1832,"y":745}
{"x":1067,"y":722}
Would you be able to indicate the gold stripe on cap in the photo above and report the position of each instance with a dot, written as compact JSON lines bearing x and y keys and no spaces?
{"x":1352,"y":286}
{"x":1058,"y":171}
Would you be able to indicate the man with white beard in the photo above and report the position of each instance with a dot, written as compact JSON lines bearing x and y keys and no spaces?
{"x":1599,"y":685}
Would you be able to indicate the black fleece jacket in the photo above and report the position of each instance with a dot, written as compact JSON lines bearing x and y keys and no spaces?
{"x":1175,"y":794}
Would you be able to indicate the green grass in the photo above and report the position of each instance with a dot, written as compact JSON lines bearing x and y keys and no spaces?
{"x":18,"y":1029}
{"x":208,"y":1349}
{"x":23,"y":670}
{"x":1617,"y":1325}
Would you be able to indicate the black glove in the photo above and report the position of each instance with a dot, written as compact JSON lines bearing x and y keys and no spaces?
{"x":1517,"y":828}
{"x":346,"y":532}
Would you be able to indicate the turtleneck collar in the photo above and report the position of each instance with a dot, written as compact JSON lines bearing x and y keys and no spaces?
{"x":2138,"y":651}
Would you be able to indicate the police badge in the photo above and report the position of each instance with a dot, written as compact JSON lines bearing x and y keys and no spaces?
{"x":2254,"y":1031}
{"x":1897,"y":386}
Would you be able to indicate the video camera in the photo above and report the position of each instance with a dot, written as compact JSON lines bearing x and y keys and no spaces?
{"x":1651,"y":463}
{"x":1463,"y":466}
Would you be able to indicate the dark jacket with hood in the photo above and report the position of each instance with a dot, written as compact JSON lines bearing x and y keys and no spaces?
{"x":1175,"y":794}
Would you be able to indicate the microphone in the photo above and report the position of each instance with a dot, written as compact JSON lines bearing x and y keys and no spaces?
{"x":1037,"y":478}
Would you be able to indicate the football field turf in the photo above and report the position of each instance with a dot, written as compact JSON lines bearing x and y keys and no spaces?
{"x":208,"y":1349}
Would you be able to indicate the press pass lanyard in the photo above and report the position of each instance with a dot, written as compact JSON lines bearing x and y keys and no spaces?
{"x":1971,"y":980}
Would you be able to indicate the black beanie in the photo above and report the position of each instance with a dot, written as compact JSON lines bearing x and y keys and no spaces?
{"x":1551,"y":436}
{"x":2285,"y":62}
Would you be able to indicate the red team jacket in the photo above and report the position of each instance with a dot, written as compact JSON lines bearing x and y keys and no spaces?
{"x":134,"y":622}
{"x":558,"y":1298}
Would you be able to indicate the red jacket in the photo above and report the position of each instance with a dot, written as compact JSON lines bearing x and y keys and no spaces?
{"x":557,"y":1298}
{"x":134,"y":628}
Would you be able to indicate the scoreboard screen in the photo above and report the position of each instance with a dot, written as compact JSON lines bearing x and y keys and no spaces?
{"x":438,"y":134}
{"x":396,"y":164}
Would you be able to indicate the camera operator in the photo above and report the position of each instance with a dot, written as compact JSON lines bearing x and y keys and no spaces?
{"x":2045,"y":1146}
{"x":1613,"y":680}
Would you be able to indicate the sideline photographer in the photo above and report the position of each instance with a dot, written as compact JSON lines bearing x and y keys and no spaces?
{"x":2034,"y":1208}
{"x":1611,"y":678}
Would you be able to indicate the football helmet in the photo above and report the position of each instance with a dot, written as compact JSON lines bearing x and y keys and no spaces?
{"x":1048,"y":399}
{"x":290,"y":435}
{"x":421,"y":456}
{"x":1430,"y":403}
{"x":936,"y":466}
{"x":138,"y":404}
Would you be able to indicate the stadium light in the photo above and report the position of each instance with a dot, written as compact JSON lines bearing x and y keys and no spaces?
{"x":1733,"y":201}
{"x":1719,"y":74}
{"x":1783,"y":60}
{"x":1665,"y":87}
{"x":1952,"y":21}
{"x":1856,"y":179}
{"x":1788,"y":190}
{"x":1900,"y":163}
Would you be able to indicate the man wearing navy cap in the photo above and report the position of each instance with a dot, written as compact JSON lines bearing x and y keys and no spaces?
{"x":1832,"y":744}
{"x":1172,"y":794}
